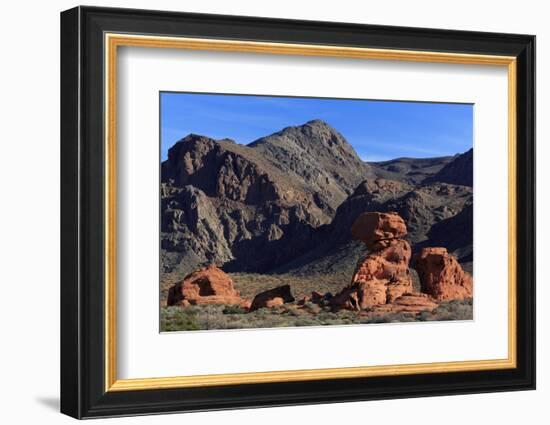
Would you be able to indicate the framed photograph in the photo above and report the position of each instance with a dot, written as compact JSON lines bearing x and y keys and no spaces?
{"x":261,"y":212}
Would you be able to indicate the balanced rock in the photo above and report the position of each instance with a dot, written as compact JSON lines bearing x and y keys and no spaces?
{"x":383,"y":274}
{"x":388,"y":266}
{"x":441,"y":275}
{"x":208,"y":285}
{"x":272,"y":298}
{"x":372,"y":227}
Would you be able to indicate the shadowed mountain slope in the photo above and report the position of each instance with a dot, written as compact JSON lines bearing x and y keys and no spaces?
{"x":459,"y":171}
{"x":422,"y":208}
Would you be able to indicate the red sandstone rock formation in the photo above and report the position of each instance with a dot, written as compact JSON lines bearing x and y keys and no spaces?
{"x":371,"y":227}
{"x":408,"y":303}
{"x":208,"y":285}
{"x":272,"y":298}
{"x":388,"y":266}
{"x":360,"y":295}
{"x":441,"y":275}
{"x":383,"y":274}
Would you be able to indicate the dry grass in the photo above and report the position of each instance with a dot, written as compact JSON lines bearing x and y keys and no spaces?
{"x":249,"y":284}
{"x":230,"y":317}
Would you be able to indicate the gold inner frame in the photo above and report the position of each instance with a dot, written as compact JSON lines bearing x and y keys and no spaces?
{"x":113,"y":41}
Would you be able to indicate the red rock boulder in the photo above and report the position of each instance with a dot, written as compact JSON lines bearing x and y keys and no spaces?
{"x":441,"y":275}
{"x":360,"y":296}
{"x":272,"y":298}
{"x":389,"y":265}
{"x":371,"y":227}
{"x":208,"y":285}
{"x":380,"y":277}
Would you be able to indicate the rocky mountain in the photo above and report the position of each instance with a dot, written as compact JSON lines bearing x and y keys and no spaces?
{"x":222,"y":203}
{"x":252,"y":207}
{"x":286,"y":202}
{"x":318,"y":156}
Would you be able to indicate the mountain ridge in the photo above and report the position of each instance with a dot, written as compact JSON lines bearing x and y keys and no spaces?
{"x":283,"y":198}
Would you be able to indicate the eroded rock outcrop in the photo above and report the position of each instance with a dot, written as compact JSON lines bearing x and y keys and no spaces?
{"x":407,"y":303}
{"x":272,"y":298}
{"x":373,"y":227}
{"x":383,"y":274}
{"x":441,"y":275}
{"x":208,"y":285}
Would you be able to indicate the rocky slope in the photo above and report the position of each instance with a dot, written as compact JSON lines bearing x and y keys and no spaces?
{"x":318,"y":156}
{"x":458,"y":171}
{"x":253,"y":208}
{"x":285,"y":203}
{"x":428,"y":212}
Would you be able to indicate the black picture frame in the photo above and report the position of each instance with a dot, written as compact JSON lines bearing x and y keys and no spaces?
{"x":83,"y":392}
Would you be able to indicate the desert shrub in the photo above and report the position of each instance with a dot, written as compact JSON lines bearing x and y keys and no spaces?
{"x":424,"y":316}
{"x":203,"y":317}
{"x":401,"y":317}
{"x":388,"y":318}
{"x":178,"y":319}
{"x":293,"y":312}
{"x":305,"y":321}
{"x":454,"y":310}
{"x":264,"y":311}
{"x":233,"y":309}
{"x":327,"y":316}
{"x":379,"y":319}
{"x":212,"y":319}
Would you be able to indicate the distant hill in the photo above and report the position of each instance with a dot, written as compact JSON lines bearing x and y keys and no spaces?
{"x":458,"y":171}
{"x":410,"y":170}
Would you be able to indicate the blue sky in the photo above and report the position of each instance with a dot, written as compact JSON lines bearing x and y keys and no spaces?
{"x":377,"y":130}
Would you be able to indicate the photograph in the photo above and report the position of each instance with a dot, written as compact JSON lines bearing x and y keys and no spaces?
{"x":280,"y":211}
{"x":286,"y":210}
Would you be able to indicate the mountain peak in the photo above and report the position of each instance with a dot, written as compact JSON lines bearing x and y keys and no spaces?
{"x":194,"y":136}
{"x":313,"y":127}
{"x":312,"y":131}
{"x":191,"y":141}
{"x":317,"y":122}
